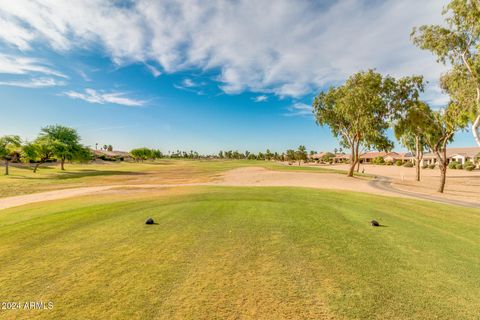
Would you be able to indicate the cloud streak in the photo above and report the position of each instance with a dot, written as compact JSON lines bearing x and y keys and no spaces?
{"x":100,"y":97}
{"x":33,"y":83}
{"x":261,"y":98}
{"x":299,"y":109}
{"x":11,"y":64}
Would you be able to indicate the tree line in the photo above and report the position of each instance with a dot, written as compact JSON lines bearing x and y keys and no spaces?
{"x":54,"y":143}
{"x":360,"y":111}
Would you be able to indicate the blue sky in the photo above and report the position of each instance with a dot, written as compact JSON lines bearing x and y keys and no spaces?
{"x":199,"y":75}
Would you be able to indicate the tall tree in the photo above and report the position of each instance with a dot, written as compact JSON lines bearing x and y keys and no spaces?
{"x":440,"y":131}
{"x":9,"y":146}
{"x":359,"y":111}
{"x":290,"y":155}
{"x":65,"y":143}
{"x":411,"y":129}
{"x":301,"y":154}
{"x":458,"y":43}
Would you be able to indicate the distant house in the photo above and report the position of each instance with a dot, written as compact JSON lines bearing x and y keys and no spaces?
{"x":317,"y":156}
{"x":112,"y":155}
{"x":460,"y":155}
{"x":396,"y":156}
{"x":341,"y":157}
{"x":368,"y":157}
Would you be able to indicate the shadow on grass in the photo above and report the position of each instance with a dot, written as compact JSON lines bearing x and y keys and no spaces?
{"x":85,"y":173}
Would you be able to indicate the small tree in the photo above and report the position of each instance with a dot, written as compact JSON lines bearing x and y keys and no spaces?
{"x":290,"y":155}
{"x":156,"y":154}
{"x":9,"y":147}
{"x":410,"y":130}
{"x":440,"y":132}
{"x":141,"y":154}
{"x":301,"y":154}
{"x":328,"y":157}
{"x":39,"y":151}
{"x":268,"y":155}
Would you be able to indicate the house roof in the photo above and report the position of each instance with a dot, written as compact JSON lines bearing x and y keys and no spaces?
{"x":111,"y":153}
{"x":342,"y":156}
{"x":468,"y":152}
{"x":373,"y":155}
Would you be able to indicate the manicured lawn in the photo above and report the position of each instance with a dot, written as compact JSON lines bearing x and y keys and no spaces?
{"x":228,"y":253}
{"x":22,"y":180}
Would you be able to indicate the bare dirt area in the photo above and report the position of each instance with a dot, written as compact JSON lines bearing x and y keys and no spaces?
{"x":461,"y":184}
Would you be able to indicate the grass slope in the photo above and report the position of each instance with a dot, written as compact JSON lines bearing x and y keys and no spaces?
{"x":263,"y":253}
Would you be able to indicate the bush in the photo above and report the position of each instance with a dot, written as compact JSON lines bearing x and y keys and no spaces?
{"x":398,"y":163}
{"x":379,"y":160}
{"x":452,"y":165}
{"x":470,"y":167}
{"x":459,"y":166}
{"x":469,"y":163}
{"x":389,"y":163}
{"x":408,"y":164}
{"x":431,"y":166}
{"x":425,"y":166}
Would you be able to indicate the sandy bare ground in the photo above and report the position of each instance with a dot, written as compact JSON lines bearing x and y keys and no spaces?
{"x":249,"y":176}
{"x":461,"y":185}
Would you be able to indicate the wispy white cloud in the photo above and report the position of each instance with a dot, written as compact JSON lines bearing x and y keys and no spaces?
{"x":33,"y":83}
{"x":298,"y":48}
{"x":261,"y":98}
{"x":101,"y":97}
{"x":190,"y":85}
{"x":11,"y":64}
{"x":154,"y":71}
{"x":299,"y":109}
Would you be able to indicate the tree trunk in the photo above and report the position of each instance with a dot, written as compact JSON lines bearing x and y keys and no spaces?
{"x":36,"y":167}
{"x":475,"y":127}
{"x":358,"y":156}
{"x":62,"y":164}
{"x":353,"y":158}
{"x":443,"y":178}
{"x":443,"y":169}
{"x":6,"y":167}
{"x":417,"y":158}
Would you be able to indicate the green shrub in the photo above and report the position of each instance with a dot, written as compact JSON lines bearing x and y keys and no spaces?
{"x":452,"y":165}
{"x":389,"y":163}
{"x":470,"y":167}
{"x":431,"y":166}
{"x":398,"y":163}
{"x":459,"y":166}
{"x":425,"y":166}
{"x":408,"y":164}
{"x":379,"y":160}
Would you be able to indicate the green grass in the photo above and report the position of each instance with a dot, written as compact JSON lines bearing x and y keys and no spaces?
{"x":22,"y":180}
{"x":260,"y":253}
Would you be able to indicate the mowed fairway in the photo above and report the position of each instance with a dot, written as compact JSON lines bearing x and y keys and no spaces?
{"x":233,"y":253}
